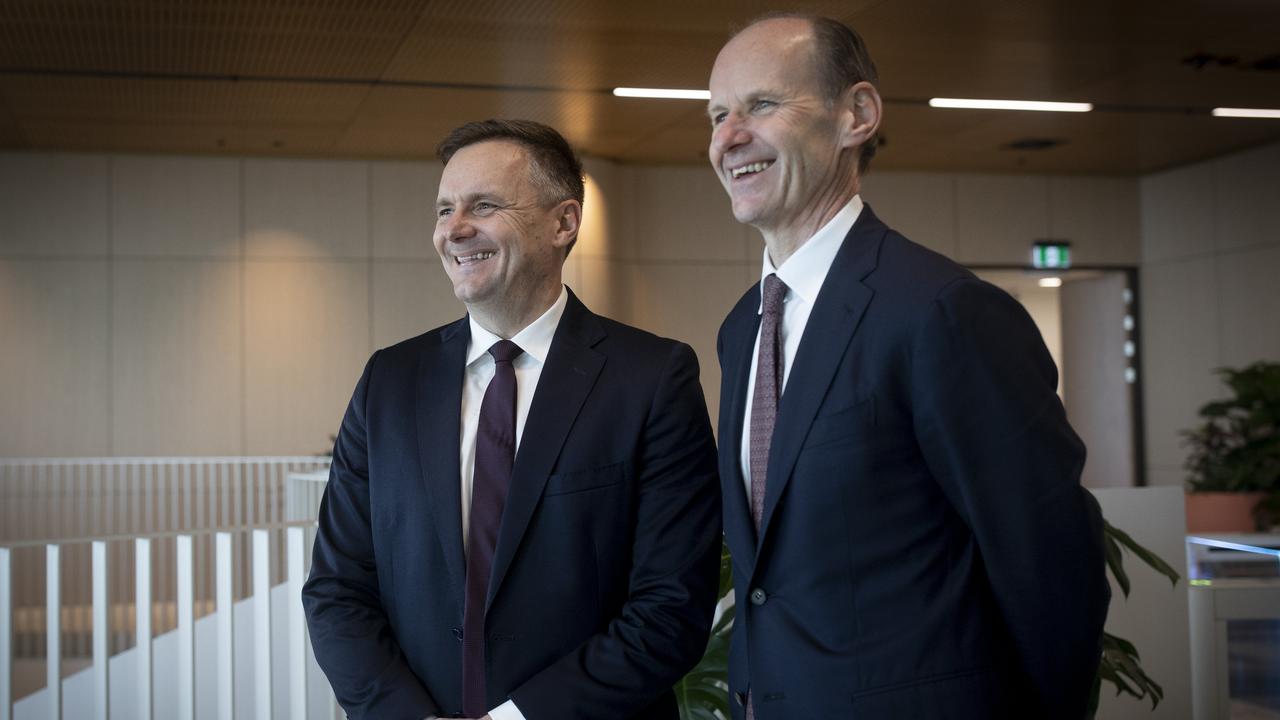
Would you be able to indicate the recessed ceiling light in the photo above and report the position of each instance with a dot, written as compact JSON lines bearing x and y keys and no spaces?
{"x":1037,"y":105}
{"x":1247,"y":113}
{"x":663,"y":93}
{"x":1050,"y":282}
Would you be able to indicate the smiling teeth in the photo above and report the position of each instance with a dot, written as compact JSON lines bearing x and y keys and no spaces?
{"x":752,"y":168}
{"x":464,"y":259}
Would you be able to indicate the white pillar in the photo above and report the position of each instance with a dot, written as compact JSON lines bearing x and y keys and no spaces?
{"x":186,"y":630}
{"x":6,"y":635}
{"x":142,"y":623}
{"x":262,"y":624}
{"x":53,"y":626}
{"x":101,"y":651}
{"x":297,"y":626}
{"x":224,"y":610}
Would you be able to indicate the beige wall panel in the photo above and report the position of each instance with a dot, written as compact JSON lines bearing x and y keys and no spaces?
{"x":682,"y":213}
{"x":176,"y":357}
{"x":403,"y":201}
{"x":688,"y":303}
{"x":306,"y":209}
{"x":1180,"y":350}
{"x":410,"y":297}
{"x":306,"y":342}
{"x":999,"y":217}
{"x":606,"y":204}
{"x":53,"y":204}
{"x":601,"y":287}
{"x":54,"y":358}
{"x":1177,"y":213}
{"x":1249,"y":290}
{"x":1248,"y":185}
{"x":918,"y":205}
{"x":175,"y":206}
{"x":1099,"y":216}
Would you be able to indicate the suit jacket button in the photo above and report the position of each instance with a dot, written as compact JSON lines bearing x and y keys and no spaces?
{"x":758,"y":597}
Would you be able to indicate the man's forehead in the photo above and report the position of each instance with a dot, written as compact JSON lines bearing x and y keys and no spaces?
{"x":769,"y":53}
{"x":483,"y":167}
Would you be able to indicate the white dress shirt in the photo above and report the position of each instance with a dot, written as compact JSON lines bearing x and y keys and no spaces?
{"x":535,"y":341}
{"x":803,"y":273}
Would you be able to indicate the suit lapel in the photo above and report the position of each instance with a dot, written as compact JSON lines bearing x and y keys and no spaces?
{"x":567,"y":378}
{"x":739,"y":337}
{"x":439,"y":407}
{"x":832,"y":323}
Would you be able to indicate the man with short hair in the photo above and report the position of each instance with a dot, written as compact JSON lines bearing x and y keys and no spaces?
{"x":901,"y":487}
{"x":522,"y":516}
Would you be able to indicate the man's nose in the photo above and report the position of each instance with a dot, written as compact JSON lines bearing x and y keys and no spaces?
{"x":729,"y":134}
{"x":454,"y":227}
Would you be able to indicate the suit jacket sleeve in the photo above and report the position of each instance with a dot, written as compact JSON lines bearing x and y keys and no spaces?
{"x":995,"y":436}
{"x":662,"y":629}
{"x":353,"y":641}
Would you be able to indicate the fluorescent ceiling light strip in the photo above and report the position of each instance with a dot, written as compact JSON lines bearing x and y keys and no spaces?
{"x":1247,"y":113}
{"x":664,"y":93}
{"x":973,"y":104}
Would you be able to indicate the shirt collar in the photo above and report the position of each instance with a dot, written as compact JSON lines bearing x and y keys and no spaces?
{"x":534,"y":339}
{"x":806,"y":269}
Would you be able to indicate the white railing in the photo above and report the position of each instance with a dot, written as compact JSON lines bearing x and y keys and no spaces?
{"x":254,"y":656}
{"x":59,"y":499}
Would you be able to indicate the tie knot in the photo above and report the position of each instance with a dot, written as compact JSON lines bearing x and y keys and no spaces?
{"x":504,"y":351}
{"x":774,"y":291}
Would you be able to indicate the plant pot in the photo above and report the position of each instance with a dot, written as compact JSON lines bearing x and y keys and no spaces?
{"x":1221,"y":511}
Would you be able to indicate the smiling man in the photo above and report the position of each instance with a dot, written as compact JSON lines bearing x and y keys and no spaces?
{"x":522,"y":517}
{"x":901,"y":487}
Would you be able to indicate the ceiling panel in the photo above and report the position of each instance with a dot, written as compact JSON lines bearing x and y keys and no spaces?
{"x":321,"y":38}
{"x":387,"y":78}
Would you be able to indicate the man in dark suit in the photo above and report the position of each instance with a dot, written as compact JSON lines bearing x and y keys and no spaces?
{"x":522,"y":516}
{"x":901,"y":487}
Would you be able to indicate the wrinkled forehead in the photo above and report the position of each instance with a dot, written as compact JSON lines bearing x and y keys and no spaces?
{"x":490,"y":166}
{"x":774,"y":54}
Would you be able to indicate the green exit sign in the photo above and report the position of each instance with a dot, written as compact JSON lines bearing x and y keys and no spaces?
{"x":1051,"y":254}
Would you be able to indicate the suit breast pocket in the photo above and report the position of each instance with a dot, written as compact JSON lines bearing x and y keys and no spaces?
{"x":576,"y":481}
{"x":855,"y":423}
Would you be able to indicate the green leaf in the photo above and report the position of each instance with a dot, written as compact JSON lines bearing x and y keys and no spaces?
{"x":1115,"y":563}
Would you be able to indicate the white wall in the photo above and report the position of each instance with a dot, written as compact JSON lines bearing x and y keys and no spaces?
{"x":161,"y":305}
{"x":1210,"y":288}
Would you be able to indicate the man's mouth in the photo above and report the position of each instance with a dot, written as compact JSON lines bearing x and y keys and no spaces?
{"x":749,"y":169}
{"x":474,"y":257}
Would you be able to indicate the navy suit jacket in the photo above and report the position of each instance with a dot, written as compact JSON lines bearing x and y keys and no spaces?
{"x":926,"y":549}
{"x":605,"y":571}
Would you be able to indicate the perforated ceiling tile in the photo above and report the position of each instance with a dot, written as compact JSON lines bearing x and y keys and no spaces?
{"x":244,"y":37}
{"x":155,"y":75}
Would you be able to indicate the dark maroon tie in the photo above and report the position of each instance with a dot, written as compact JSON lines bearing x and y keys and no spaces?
{"x":764,"y":403}
{"x":495,"y":455}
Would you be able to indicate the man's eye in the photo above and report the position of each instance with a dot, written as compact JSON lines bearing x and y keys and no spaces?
{"x":443,"y":212}
{"x":483,"y":206}
{"x":763,"y":104}
{"x":718,"y":118}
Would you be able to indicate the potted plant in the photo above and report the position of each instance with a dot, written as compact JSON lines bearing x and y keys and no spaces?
{"x":1234,"y":463}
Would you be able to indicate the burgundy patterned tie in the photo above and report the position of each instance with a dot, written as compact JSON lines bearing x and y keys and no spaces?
{"x":495,"y":455}
{"x":764,"y":405}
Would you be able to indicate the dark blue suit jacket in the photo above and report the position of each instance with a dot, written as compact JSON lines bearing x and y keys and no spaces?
{"x":605,"y":570}
{"x":926,"y":549}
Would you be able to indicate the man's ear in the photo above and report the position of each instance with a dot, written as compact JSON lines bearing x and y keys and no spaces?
{"x":568,"y":215}
{"x":863,"y":105}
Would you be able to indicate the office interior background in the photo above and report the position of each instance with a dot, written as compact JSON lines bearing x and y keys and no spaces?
{"x":211,"y":213}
